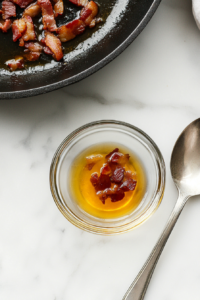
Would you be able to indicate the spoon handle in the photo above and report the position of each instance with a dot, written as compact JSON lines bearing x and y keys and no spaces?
{"x":139,"y":286}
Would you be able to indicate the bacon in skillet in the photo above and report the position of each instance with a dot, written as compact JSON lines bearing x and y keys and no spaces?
{"x":14,"y":64}
{"x":54,"y":44}
{"x":22,"y":3}
{"x":29,"y":34}
{"x":32,"y":10}
{"x":48,"y":51}
{"x":47,"y":15}
{"x":58,"y":8}
{"x":18,"y":29}
{"x":8,"y":9}
{"x":88,"y":14}
{"x":71,"y":30}
{"x":7,"y":25}
{"x":33,"y":46}
{"x":79,"y":2}
{"x":32,"y":51}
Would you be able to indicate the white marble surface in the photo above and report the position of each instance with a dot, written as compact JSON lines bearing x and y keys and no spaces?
{"x":155,"y":85}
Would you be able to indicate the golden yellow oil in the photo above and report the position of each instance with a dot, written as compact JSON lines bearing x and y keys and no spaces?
{"x":84,"y":193}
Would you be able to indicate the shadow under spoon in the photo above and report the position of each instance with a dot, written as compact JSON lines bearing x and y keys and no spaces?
{"x":185,"y":170}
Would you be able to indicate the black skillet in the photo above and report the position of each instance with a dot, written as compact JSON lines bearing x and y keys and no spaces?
{"x":123,"y":20}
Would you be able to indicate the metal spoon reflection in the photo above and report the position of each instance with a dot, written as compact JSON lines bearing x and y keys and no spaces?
{"x":185,"y":170}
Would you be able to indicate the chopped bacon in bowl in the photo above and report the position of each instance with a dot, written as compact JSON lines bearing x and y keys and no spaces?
{"x":114,"y":180}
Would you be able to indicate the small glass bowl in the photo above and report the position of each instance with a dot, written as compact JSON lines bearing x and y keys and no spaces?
{"x":108,"y":131}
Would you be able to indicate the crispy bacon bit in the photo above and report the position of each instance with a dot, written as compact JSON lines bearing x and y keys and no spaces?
{"x":129,"y":174}
{"x":89,"y":12}
{"x":79,"y":2}
{"x":31,"y":56}
{"x":54,"y":44}
{"x":117,"y":175}
{"x":18,"y":28}
{"x":8,"y":9}
{"x":32,"y":10}
{"x":5,"y":25}
{"x":32,"y":51}
{"x":119,"y":158}
{"x":113,"y":181}
{"x":117,"y":197}
{"x":105,"y":170}
{"x":71,"y":30}
{"x":100,"y":183}
{"x":33,"y":46}
{"x":14,"y":64}
{"x":113,"y":193}
{"x":128,"y":185}
{"x":29,"y":34}
{"x":94,"y":179}
{"x":22,"y":3}
{"x":47,"y":15}
{"x":58,"y":8}
{"x":103,"y":182}
{"x":47,"y":50}
{"x":110,"y":154}
{"x":92,"y":160}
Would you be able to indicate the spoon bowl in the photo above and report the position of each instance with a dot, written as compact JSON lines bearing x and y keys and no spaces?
{"x":185,"y":160}
{"x":185,"y":170}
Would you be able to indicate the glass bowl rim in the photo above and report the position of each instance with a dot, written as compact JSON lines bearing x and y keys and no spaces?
{"x":80,"y":223}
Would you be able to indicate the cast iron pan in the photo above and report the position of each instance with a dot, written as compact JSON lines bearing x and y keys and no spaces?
{"x":123,"y":20}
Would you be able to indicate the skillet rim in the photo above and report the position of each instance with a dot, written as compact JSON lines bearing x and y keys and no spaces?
{"x":76,"y":78}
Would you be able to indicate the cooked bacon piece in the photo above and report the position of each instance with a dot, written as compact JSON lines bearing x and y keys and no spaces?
{"x":117,"y":197}
{"x":33,"y":46}
{"x":31,"y":56}
{"x":71,"y":30}
{"x":110,"y":154}
{"x":47,"y":50}
{"x":119,"y":158}
{"x":128,"y":185}
{"x":79,"y":2}
{"x":58,"y":8}
{"x":47,"y":15}
{"x":94,"y":179}
{"x":101,"y":183}
{"x":8,"y":9}
{"x":117,"y":175}
{"x":5,"y":25}
{"x":29,"y":34}
{"x":32,"y":10}
{"x":22,"y":3}
{"x":129,"y":174}
{"x":105,"y":170}
{"x":18,"y":28}
{"x":54,"y":44}
{"x":113,"y":193}
{"x":92,"y":160}
{"x":88,"y":13}
{"x":14,"y":64}
{"x":32,"y":51}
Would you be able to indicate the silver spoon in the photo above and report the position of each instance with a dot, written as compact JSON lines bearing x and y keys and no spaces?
{"x":185,"y":170}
